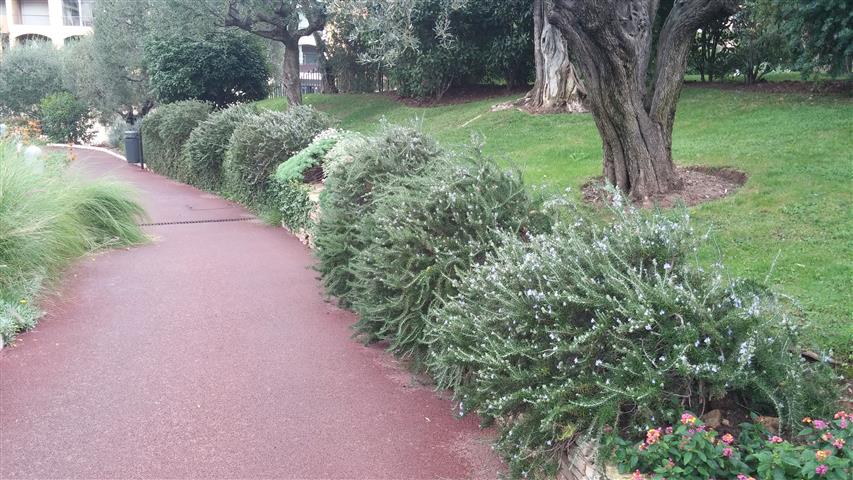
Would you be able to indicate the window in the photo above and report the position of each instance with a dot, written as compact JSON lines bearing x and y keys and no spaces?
{"x":78,"y":13}
{"x":33,"y":12}
{"x":310,"y":56}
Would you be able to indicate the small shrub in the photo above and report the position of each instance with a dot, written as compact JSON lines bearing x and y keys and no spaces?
{"x":348,"y":197}
{"x":204,"y":151}
{"x":427,"y":230}
{"x":342,"y":153}
{"x":49,"y":217}
{"x":65,"y":119}
{"x":291,"y":183}
{"x":596,"y":326}
{"x":690,"y":450}
{"x":164,"y":132}
{"x":115,"y":133}
{"x":261,"y":143}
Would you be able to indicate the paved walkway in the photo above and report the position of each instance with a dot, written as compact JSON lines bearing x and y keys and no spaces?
{"x":210,"y":353}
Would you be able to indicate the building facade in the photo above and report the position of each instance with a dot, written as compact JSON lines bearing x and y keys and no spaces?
{"x":55,"y":21}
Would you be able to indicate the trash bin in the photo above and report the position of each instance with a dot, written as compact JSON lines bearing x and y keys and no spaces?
{"x":133,"y":146}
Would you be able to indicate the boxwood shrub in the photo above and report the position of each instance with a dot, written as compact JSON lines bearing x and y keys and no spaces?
{"x":164,"y":132}
{"x":382,"y":159}
{"x":262,"y":142}
{"x":427,"y":230}
{"x":204,"y":152}
{"x":611,"y":326}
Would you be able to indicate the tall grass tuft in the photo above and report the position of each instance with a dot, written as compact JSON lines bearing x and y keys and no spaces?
{"x":49,"y":217}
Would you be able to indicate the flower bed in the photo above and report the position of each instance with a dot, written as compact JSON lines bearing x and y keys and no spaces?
{"x":688,"y":449}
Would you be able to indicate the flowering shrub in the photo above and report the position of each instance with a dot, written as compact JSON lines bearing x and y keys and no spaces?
{"x":382,"y":159}
{"x":615,"y":325}
{"x":424,"y":232}
{"x":689,"y":450}
{"x":260,"y":143}
{"x":204,"y":152}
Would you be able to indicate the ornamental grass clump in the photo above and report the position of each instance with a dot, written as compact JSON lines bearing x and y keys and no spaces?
{"x":427,"y":230}
{"x":382,"y":159}
{"x":260,"y":144}
{"x":48,"y":218}
{"x":609,"y":326}
{"x":290,"y":186}
{"x":165,"y":130}
{"x":204,"y":151}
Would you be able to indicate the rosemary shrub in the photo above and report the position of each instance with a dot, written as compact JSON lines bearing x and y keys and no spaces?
{"x":347,"y":200}
{"x":613,"y":325}
{"x":427,"y":230}
{"x":204,"y":152}
{"x":260,"y":143}
{"x":164,"y":132}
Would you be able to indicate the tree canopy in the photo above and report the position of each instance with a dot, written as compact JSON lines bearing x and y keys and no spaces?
{"x":221,"y":67}
{"x":27,"y":74}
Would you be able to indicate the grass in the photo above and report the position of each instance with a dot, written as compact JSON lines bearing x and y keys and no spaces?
{"x":791,"y":223}
{"x":48,"y":218}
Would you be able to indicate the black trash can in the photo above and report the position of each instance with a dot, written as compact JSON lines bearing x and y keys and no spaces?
{"x":133,"y":146}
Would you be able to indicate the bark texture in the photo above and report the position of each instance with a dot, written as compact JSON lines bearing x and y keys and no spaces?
{"x":290,"y":73}
{"x":327,"y":82}
{"x":557,"y":88}
{"x":634,"y":108}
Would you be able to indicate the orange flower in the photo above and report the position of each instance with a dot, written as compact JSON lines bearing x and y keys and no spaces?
{"x":822,"y":455}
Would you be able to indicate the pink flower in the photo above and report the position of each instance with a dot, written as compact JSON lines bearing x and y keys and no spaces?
{"x":668,"y":430}
{"x":821,"y":469}
{"x":637,"y":475}
{"x":826,"y":437}
{"x":843,"y":423}
{"x":727,"y":452}
{"x":688,"y":418}
{"x":776,"y":439}
{"x":838,"y":443}
{"x":822,"y":455}
{"x":727,"y":439}
{"x":819,"y":424}
{"x":652,"y":436}
{"x":842,"y":414}
{"x":741,"y":476}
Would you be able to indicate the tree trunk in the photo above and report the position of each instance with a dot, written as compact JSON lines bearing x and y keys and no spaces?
{"x":327,"y":81}
{"x":290,"y":73}
{"x":611,"y":41}
{"x":557,"y":88}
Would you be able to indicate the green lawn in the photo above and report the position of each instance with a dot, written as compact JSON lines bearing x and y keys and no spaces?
{"x":795,"y":207}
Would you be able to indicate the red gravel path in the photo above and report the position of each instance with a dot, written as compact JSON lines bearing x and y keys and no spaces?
{"x":211,"y":353}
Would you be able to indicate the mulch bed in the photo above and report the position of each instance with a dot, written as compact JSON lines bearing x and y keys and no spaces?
{"x":700,"y":184}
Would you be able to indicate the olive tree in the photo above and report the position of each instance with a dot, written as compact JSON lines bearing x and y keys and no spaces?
{"x":633,"y":79}
{"x":283,"y":21}
{"x":557,"y":87}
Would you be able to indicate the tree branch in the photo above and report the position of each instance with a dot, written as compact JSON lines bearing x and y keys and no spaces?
{"x":674,"y":44}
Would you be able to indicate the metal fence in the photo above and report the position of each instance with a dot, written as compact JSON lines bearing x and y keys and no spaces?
{"x":311,"y":82}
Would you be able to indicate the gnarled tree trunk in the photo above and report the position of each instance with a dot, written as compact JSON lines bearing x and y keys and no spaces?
{"x":611,"y":41}
{"x":557,"y":88}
